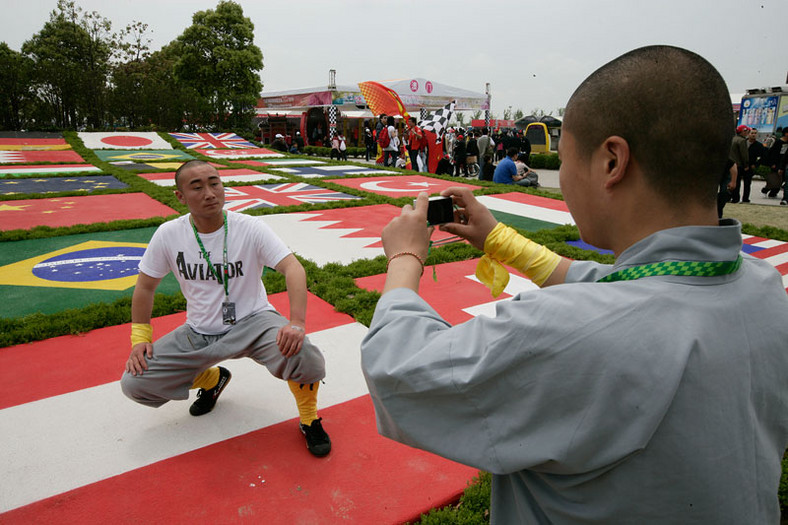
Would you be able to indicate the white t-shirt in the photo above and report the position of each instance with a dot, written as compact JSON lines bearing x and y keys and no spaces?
{"x":251,"y":246}
{"x":393,"y":139}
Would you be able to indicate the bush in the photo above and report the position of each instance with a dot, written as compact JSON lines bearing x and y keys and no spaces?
{"x":547,"y":161}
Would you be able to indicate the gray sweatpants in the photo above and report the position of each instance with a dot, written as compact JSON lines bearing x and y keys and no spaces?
{"x":181,"y":355}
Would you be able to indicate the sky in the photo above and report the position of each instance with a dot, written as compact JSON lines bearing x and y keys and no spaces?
{"x":533,"y":54}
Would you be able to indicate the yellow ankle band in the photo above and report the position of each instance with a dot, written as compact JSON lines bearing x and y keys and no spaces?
{"x":505,"y":246}
{"x":207,"y":379}
{"x":141,"y":333}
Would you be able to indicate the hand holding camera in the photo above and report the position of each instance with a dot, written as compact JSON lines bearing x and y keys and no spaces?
{"x":472,"y":220}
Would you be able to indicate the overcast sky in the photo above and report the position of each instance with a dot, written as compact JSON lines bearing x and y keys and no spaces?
{"x":534,"y":54}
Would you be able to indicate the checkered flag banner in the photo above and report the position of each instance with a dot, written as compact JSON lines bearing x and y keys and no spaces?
{"x":438,"y":121}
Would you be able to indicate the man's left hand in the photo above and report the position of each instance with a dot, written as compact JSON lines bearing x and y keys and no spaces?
{"x":290,"y":338}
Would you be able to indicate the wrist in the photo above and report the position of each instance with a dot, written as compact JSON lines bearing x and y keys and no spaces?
{"x":141,"y":333}
{"x":405,"y":258}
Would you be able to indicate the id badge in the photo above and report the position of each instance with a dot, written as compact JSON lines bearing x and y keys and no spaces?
{"x":228,"y":313}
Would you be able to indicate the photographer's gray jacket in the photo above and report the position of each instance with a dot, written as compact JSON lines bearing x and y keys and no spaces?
{"x":657,"y":400}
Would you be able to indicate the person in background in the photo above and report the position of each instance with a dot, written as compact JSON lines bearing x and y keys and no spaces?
{"x":740,"y":155}
{"x":279,"y":143}
{"x":415,"y":138}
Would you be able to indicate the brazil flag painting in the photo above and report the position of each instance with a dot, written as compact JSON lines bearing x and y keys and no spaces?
{"x":73,"y":271}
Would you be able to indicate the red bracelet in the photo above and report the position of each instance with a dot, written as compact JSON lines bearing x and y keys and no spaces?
{"x":400,"y":254}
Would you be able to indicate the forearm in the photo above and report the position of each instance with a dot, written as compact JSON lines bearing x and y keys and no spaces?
{"x":403,"y":272}
{"x":142,"y":305}
{"x":296,"y":294}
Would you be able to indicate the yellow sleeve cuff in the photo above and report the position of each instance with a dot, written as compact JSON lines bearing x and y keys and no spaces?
{"x":505,"y":246}
{"x":141,"y":333}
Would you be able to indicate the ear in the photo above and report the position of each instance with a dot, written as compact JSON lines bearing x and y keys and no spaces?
{"x":615,"y":155}
{"x":180,"y":197}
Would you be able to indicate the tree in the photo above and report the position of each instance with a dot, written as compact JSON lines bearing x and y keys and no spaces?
{"x":71,"y":64}
{"x":220,"y":62}
{"x":15,"y":72}
{"x":130,"y":74}
{"x":518,"y":114}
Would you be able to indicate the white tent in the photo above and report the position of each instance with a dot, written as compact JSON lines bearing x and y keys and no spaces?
{"x":415,"y":93}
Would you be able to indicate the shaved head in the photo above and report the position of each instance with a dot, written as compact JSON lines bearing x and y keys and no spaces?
{"x":187,"y":166}
{"x":673,"y":109}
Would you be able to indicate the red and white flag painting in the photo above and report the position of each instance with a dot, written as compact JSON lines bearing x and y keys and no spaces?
{"x":455,"y":293}
{"x":340,"y":235}
{"x":239,"y":198}
{"x":211,"y":140}
{"x":531,"y":206}
{"x":73,"y":444}
{"x":401,"y":185}
{"x":167,"y":178}
{"x":772,"y":251}
{"x":123,"y":140}
{"x":18,"y":157}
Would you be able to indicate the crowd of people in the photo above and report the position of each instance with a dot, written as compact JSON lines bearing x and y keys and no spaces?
{"x":747,"y":154}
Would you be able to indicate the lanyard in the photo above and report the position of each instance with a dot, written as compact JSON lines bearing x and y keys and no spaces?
{"x":208,"y":260}
{"x":701,"y":269}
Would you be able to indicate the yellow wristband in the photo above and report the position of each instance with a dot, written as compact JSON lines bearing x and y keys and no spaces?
{"x":141,"y":333}
{"x":505,"y":246}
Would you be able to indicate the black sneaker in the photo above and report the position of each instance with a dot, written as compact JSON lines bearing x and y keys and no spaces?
{"x":317,"y":441}
{"x":206,"y":399}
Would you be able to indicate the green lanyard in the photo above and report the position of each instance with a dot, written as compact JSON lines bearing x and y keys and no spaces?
{"x":208,"y":260}
{"x":700,"y":269}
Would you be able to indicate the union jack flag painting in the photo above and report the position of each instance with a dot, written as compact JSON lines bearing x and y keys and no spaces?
{"x":239,"y":198}
{"x":211,"y":140}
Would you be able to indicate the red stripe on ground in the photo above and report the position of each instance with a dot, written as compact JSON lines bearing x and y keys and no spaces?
{"x":769,"y":252}
{"x":533,"y":200}
{"x":268,"y":476}
{"x":74,"y":362}
{"x":753,"y":240}
{"x":69,"y":211}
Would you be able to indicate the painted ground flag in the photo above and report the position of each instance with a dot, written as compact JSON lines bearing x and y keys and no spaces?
{"x":277,"y":162}
{"x":124,"y":140}
{"x":57,"y":184}
{"x":82,"y":209}
{"x":401,"y":185}
{"x":142,"y":155}
{"x":59,"y":471}
{"x":456,"y":294}
{"x":340,"y":235}
{"x":19,"y":157}
{"x":43,"y":169}
{"x":240,"y":153}
{"x":33,"y":144}
{"x":341,"y":170}
{"x":57,"y":273}
{"x":240,"y":198}
{"x":212,"y":140}
{"x":228,"y":175}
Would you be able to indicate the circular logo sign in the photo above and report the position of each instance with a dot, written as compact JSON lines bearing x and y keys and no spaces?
{"x":428,"y":86}
{"x":414,"y":85}
{"x":97,"y":264}
{"x":126,"y":141}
